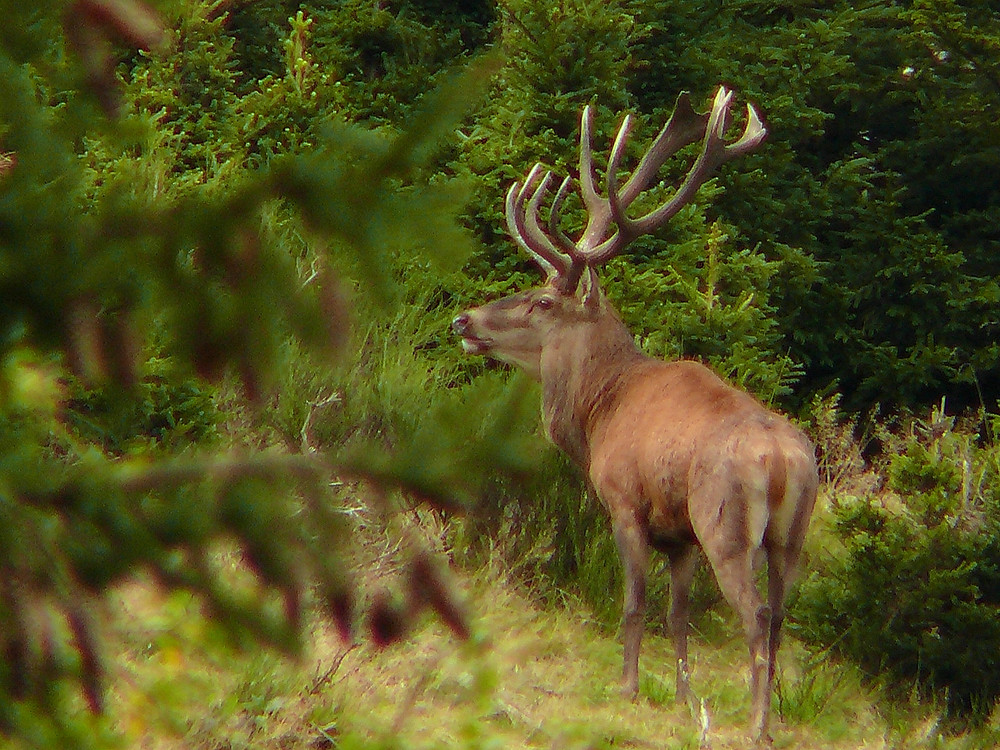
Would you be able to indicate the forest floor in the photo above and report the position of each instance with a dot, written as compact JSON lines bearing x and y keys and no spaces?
{"x":530,"y":676}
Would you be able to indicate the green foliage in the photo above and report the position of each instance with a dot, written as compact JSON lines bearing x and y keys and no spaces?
{"x":912,"y":590}
{"x":877,"y":179}
{"x":162,"y":411}
{"x":702,"y":299}
{"x":155,"y":264}
{"x":385,"y":55}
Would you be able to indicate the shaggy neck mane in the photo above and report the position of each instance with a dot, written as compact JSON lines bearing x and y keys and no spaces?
{"x":581,"y":376}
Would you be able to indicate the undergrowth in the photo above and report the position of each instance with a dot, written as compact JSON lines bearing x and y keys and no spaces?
{"x":904,"y":570}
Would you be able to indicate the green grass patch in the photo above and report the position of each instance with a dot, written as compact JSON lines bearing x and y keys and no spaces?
{"x":532,"y":676}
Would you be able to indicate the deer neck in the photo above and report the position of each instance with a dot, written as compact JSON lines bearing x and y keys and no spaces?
{"x":581,"y":373}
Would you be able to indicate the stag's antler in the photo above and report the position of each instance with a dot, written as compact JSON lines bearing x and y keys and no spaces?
{"x":565,"y":260}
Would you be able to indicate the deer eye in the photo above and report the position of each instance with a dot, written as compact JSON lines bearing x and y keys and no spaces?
{"x":543,"y":303}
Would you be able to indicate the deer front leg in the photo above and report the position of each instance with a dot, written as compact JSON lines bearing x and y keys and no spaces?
{"x":633,"y":548}
{"x":683,"y":562}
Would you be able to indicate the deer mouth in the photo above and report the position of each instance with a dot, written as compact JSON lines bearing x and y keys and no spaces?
{"x":471,"y":344}
{"x":475,"y":345}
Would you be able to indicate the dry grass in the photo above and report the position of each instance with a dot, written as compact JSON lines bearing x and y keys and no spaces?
{"x":530,"y":677}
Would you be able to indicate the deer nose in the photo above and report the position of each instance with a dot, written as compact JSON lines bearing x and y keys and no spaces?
{"x":461,"y":323}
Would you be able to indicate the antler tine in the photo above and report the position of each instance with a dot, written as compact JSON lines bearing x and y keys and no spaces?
{"x":531,"y":219}
{"x":753,"y":134}
{"x":599,"y":212}
{"x":555,"y":212}
{"x":529,"y":182}
{"x":588,"y":191}
{"x":616,"y":203}
{"x":516,"y":196}
{"x":522,"y":206}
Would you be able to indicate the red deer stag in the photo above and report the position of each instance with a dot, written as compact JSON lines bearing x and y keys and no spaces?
{"x":679,"y":458}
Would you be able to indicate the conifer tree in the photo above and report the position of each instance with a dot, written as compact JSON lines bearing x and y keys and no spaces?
{"x":146,"y":274}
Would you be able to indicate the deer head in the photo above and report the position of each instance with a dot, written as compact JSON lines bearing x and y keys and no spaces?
{"x":516,"y":328}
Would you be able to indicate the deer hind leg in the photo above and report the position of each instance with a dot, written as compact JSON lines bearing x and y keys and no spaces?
{"x":633,"y":547}
{"x":683,"y":562}
{"x":732,"y":541}
{"x":783,"y":544}
{"x":736,"y":580}
{"x":782,"y":562}
{"x":779,"y":567}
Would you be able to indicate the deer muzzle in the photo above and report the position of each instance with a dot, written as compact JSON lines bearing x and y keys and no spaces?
{"x":464,"y":326}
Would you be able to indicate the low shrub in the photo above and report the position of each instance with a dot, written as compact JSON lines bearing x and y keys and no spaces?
{"x":909,"y":586}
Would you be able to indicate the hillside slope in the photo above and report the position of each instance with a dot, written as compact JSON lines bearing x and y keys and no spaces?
{"x":530,"y":677}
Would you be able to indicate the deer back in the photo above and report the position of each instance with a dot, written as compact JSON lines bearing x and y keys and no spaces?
{"x":674,"y":430}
